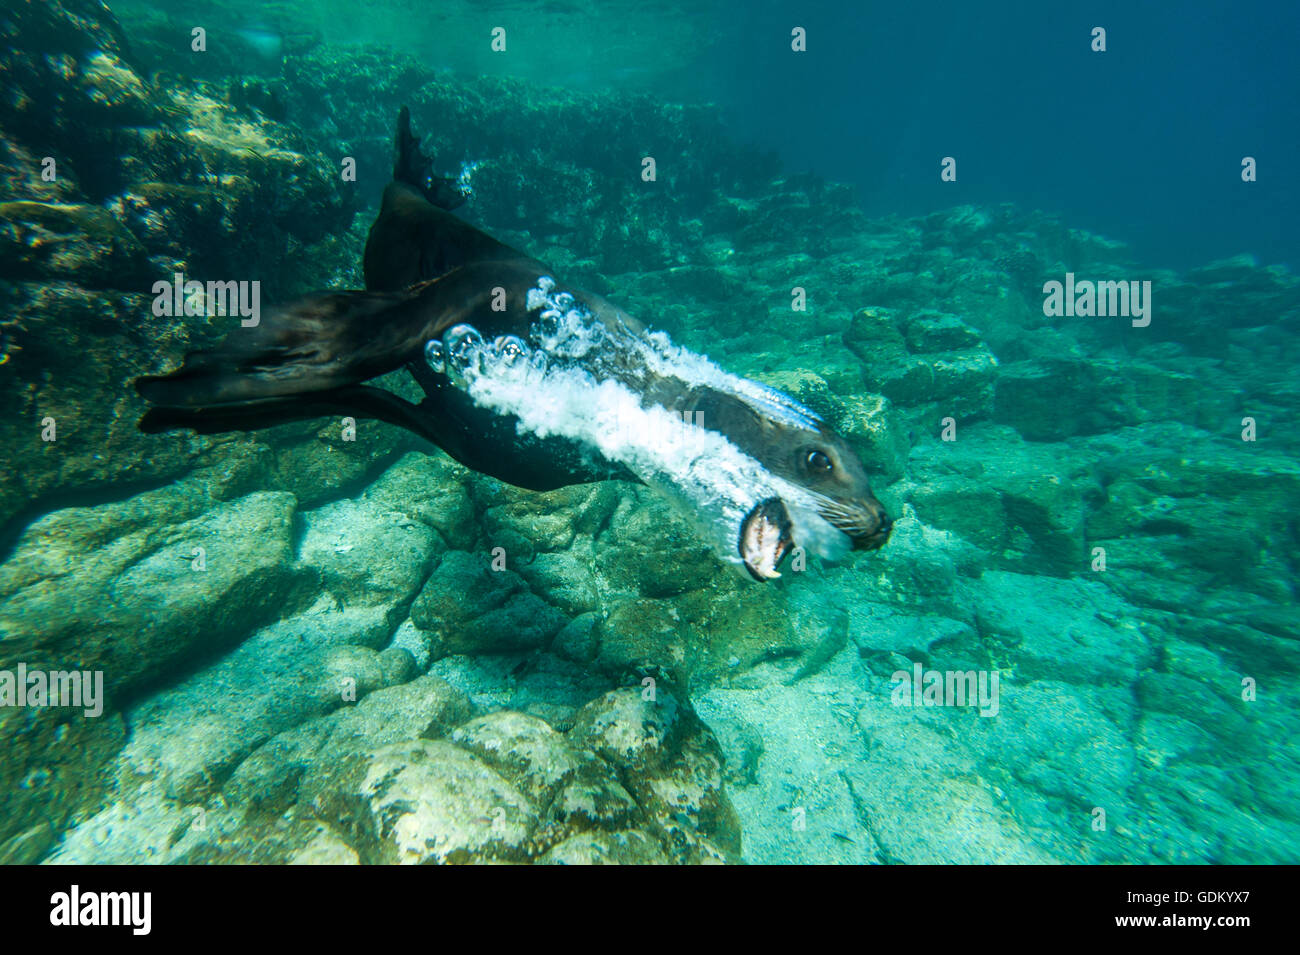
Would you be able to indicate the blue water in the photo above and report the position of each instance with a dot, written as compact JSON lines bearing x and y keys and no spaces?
{"x":1143,"y":141}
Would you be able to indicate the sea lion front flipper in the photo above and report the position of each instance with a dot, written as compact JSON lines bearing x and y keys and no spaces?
{"x":414,"y":168}
{"x":416,"y":237}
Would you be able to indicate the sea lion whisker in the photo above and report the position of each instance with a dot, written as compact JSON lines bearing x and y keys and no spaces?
{"x":840,"y":511}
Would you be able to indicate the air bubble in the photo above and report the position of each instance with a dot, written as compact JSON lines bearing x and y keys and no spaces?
{"x":435,"y":355}
{"x":510,"y":349}
{"x":464,"y":347}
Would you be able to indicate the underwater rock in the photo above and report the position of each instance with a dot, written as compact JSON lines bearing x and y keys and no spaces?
{"x":54,"y":770}
{"x":927,"y":330}
{"x":627,"y":728}
{"x":911,"y":763}
{"x":1024,"y":504}
{"x":1101,"y":396}
{"x":159,"y":152}
{"x":265,"y":189}
{"x":397,"y":665}
{"x":431,"y":489}
{"x":1074,"y":631}
{"x":742,"y":747}
{"x":80,"y":592}
{"x":429,"y":801}
{"x":325,"y":848}
{"x":940,"y":363}
{"x":523,"y":747}
{"x":188,"y":738}
{"x":291,"y":839}
{"x":1196,"y":495}
{"x":1182,"y":538}
{"x":671,"y":764}
{"x":70,"y":77}
{"x":63,"y":242}
{"x":506,"y":787}
{"x":702,"y":635}
{"x":1216,"y":710}
{"x":81,"y":587}
{"x":579,"y":641}
{"x":367,"y":554}
{"x":269,"y":779}
{"x":543,"y":522}
{"x":27,"y":848}
{"x":167,"y":805}
{"x":148,"y":182}
{"x":593,"y":799}
{"x":876,"y":432}
{"x":629,"y":847}
{"x":470,"y":608}
{"x":653,"y":552}
{"x":921,"y":569}
{"x":796,"y":805}
{"x":67,"y":343}
{"x":566,"y":579}
{"x":1222,"y":300}
{"x":887,"y":639}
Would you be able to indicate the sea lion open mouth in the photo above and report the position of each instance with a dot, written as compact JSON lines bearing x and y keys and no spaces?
{"x":765,"y":538}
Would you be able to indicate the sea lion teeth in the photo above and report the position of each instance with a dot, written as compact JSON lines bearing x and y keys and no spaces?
{"x":765,"y":538}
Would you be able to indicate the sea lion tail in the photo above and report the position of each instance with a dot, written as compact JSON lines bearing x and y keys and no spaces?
{"x":317,"y":344}
{"x":414,"y":168}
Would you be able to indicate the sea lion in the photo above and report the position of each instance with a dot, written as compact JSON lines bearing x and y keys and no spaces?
{"x":531,"y":381}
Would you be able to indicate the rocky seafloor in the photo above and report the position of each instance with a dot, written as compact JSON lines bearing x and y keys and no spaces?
{"x":504,"y":715}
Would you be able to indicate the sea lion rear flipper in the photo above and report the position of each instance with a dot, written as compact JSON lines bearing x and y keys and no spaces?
{"x":357,"y":401}
{"x":316,"y":344}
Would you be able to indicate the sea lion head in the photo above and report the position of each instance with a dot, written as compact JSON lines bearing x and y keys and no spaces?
{"x":822,"y":463}
{"x":796,"y":446}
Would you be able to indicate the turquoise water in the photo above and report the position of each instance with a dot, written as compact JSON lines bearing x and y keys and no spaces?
{"x":1064,"y":369}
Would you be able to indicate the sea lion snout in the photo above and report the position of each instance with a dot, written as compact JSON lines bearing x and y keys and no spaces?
{"x":863,"y":519}
{"x":872,"y":527}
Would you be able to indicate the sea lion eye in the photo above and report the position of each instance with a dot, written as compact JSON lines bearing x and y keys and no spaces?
{"x":818,"y":461}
